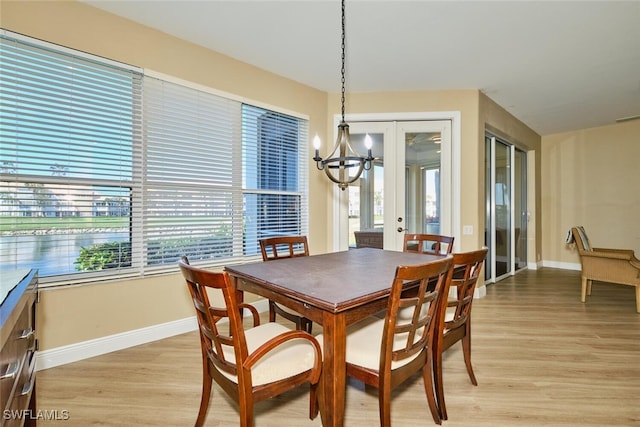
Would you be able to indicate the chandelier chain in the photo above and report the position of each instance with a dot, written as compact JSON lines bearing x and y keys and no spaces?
{"x":343,"y":56}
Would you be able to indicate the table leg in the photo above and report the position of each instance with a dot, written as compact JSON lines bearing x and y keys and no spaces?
{"x":333,"y":382}
{"x":239,"y":296}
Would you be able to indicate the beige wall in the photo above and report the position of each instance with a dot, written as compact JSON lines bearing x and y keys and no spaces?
{"x":69,"y":315}
{"x":591,"y":177}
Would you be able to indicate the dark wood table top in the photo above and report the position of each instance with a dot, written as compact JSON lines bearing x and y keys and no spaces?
{"x":335,"y":281}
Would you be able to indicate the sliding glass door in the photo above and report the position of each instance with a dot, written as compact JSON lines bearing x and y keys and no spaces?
{"x":506,"y":208}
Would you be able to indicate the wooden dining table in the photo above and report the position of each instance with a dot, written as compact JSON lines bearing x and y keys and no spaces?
{"x":333,"y":290}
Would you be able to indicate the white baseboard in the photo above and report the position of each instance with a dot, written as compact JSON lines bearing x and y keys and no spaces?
{"x":562,"y":265}
{"x":534,"y":265}
{"x":46,"y":359}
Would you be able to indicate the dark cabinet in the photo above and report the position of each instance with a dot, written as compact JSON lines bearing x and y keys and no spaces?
{"x":19,"y":344}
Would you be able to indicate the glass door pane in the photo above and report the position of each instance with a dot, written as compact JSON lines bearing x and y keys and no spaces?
{"x":506,"y":208}
{"x":366,"y":195}
{"x":520,"y":208}
{"x":425,"y":151}
{"x":422,"y":182}
{"x":489,"y":271}
{"x":502,"y":167}
{"x":362,"y":204}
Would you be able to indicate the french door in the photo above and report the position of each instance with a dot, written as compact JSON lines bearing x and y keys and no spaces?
{"x":506,"y":215}
{"x":407,"y":190}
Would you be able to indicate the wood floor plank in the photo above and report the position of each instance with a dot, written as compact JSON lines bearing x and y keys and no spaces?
{"x":541,"y":357}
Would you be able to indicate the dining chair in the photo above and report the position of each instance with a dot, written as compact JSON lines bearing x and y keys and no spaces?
{"x":455,"y":322}
{"x":434,"y":244}
{"x":249,"y":365}
{"x":274,"y":248}
{"x":372,"y":238}
{"x":383,"y":353}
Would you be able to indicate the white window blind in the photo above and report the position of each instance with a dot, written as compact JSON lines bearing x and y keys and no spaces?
{"x":274,"y":177}
{"x":190,"y":192}
{"x":219,"y":175}
{"x":70,"y":139}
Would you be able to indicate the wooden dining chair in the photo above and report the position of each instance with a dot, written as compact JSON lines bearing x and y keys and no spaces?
{"x":274,"y":248}
{"x":433,"y":244}
{"x":383,"y":353}
{"x":249,"y":365}
{"x":456,"y":316}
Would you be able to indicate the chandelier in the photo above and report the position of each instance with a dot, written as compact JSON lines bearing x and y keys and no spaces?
{"x":344,"y":165}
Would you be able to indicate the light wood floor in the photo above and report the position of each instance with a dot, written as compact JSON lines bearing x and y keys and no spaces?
{"x":541,"y":358}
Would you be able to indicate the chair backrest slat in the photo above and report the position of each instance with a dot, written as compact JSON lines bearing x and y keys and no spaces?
{"x":283,"y":247}
{"x":434,"y":244}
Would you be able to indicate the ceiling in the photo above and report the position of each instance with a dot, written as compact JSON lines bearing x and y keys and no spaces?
{"x":555,"y":65}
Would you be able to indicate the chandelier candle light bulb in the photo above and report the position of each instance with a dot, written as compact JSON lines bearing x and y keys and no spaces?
{"x":316,"y":145}
{"x":368,"y":143}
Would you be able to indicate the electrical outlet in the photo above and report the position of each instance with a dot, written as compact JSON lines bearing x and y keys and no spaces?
{"x":467,"y":229}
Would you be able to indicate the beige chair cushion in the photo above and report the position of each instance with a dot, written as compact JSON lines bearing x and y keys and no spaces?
{"x":363,"y":344}
{"x":288,"y":359}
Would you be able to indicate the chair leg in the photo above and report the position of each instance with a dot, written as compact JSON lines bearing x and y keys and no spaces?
{"x":583,"y":295}
{"x":307,"y":325}
{"x":466,"y":351}
{"x":638,"y":298}
{"x":207,"y":384}
{"x":384,"y":406}
{"x":439,"y":383}
{"x":438,"y":412}
{"x":272,"y":311}
{"x":313,"y":402}
{"x":246,"y":411}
